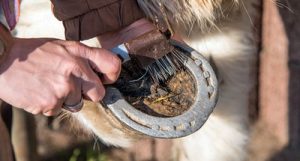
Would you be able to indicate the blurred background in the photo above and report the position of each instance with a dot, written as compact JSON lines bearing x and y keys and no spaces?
{"x":274,"y":106}
{"x":276,"y":130}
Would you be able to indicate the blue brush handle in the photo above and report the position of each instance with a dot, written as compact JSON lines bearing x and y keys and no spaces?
{"x":122,"y":52}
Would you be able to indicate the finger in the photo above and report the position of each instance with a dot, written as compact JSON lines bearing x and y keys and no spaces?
{"x":32,"y":110}
{"x":90,"y":84}
{"x":53,"y":112}
{"x":109,"y":78}
{"x":93,"y":88}
{"x":104,"y":62}
{"x":75,"y":95}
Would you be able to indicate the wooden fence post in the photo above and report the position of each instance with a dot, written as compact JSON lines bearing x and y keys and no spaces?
{"x":6,"y":153}
{"x":24,"y":136}
{"x":274,"y":73}
{"x":279,"y":92}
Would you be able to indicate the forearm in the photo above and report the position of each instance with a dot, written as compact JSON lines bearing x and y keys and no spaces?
{"x":6,"y":41}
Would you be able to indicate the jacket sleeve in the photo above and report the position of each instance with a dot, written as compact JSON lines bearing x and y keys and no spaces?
{"x":84,"y":19}
{"x":11,"y":10}
{"x":6,"y":42}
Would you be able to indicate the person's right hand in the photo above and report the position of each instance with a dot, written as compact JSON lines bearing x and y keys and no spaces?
{"x":40,"y":75}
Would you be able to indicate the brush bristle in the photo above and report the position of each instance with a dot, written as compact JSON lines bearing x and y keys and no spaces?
{"x":162,"y":69}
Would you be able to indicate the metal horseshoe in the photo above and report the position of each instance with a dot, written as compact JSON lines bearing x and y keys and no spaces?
{"x":178,"y":126}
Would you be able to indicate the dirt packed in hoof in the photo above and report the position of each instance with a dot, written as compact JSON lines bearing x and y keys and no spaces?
{"x":168,"y":99}
{"x":173,"y":99}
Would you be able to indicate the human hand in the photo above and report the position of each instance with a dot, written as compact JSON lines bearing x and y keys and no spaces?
{"x":40,"y":75}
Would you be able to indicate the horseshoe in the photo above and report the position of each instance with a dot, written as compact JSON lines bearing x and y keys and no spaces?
{"x":178,"y":126}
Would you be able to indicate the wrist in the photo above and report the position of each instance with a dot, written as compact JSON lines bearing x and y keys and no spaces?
{"x":6,"y":41}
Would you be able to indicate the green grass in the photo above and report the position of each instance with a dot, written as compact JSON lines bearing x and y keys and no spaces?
{"x":81,"y":154}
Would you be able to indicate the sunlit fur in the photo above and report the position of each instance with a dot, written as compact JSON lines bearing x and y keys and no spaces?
{"x":222,"y":30}
{"x":191,"y":14}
